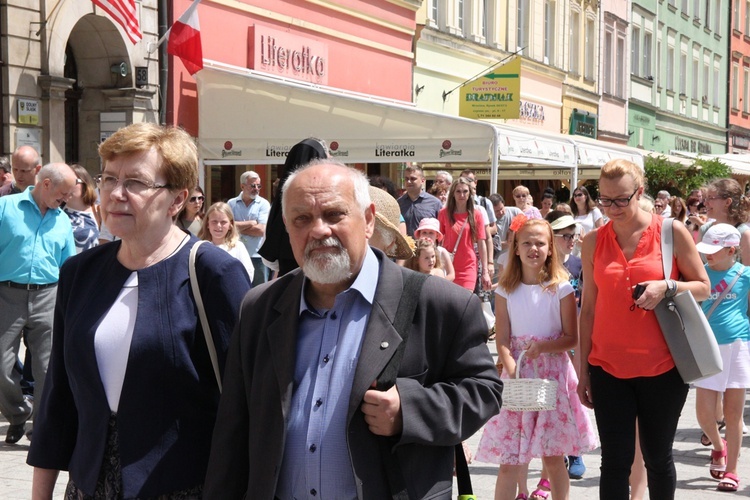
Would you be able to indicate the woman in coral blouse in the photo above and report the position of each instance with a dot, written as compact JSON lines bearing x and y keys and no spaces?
{"x":627,"y":371}
{"x":463,"y":228}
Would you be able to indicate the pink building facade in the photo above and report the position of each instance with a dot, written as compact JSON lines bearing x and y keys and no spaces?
{"x":739,"y":78}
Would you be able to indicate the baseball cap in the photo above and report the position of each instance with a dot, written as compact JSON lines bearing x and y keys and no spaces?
{"x":717,"y":237}
{"x":562,"y":222}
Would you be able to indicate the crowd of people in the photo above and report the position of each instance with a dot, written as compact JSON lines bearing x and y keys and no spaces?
{"x":311,"y":360}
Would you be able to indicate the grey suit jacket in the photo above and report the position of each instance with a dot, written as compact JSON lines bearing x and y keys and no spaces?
{"x":447,"y":382}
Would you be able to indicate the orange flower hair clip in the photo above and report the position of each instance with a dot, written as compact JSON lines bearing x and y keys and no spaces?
{"x":518,"y":222}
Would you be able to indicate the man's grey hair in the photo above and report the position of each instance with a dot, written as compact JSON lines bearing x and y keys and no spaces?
{"x":246,"y":175}
{"x":360,"y":181}
{"x":663,"y":194}
{"x":55,"y":172}
{"x":445,"y":174}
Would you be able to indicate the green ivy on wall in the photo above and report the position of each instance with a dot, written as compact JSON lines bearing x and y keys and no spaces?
{"x":678,"y":179}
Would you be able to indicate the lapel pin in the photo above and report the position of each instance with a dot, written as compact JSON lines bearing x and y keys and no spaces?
{"x":384,"y":345}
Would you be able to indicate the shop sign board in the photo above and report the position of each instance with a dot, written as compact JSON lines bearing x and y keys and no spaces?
{"x":28,"y":111}
{"x":495,"y":95}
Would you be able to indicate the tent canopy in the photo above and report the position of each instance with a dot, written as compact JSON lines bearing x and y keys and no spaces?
{"x":247,"y":117}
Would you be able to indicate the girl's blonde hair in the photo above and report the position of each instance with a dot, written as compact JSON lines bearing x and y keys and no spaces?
{"x":232,"y":236}
{"x":421,"y":244}
{"x":552,"y":274}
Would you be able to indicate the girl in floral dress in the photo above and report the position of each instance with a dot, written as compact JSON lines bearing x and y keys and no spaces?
{"x":535,"y":311}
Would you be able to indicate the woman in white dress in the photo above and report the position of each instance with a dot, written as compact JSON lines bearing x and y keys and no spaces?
{"x":218,"y":228}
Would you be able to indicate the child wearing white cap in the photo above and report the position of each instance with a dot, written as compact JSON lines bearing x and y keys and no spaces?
{"x":726,"y":309}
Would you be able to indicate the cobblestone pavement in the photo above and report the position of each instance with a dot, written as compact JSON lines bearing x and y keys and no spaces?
{"x":694,"y":482}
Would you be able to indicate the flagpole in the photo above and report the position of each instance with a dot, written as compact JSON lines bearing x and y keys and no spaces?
{"x":151,"y":47}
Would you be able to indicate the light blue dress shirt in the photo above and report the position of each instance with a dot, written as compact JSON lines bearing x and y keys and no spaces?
{"x":316,"y":461}
{"x":32,"y":247}
{"x":257,"y":210}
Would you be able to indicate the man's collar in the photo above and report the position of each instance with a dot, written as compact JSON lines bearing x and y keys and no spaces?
{"x":365,"y":283}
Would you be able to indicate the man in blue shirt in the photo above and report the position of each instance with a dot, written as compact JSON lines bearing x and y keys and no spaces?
{"x":300,"y":416}
{"x":35,"y":239}
{"x":415,"y":204}
{"x":250,"y":216}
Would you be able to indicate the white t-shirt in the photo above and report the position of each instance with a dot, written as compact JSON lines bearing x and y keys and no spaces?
{"x":239,"y":252}
{"x":588,"y":221}
{"x":534,"y":310}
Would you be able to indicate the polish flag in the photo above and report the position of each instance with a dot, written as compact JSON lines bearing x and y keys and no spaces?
{"x":185,"y":39}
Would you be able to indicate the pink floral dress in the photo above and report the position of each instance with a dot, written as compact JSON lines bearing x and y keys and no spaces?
{"x":515,"y":437}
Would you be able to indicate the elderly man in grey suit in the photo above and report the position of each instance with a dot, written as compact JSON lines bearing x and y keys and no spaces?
{"x":300,"y":416}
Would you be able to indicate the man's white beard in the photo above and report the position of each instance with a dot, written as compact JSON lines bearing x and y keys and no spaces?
{"x":327,"y":268}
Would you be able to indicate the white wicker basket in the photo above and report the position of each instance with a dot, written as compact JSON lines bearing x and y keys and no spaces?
{"x":529,"y":394}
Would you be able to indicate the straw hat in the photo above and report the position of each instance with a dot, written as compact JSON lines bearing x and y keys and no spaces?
{"x":387,"y":216}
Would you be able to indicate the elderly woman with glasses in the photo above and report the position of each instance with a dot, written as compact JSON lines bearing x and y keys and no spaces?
{"x":626,"y":369}
{"x":131,"y":394}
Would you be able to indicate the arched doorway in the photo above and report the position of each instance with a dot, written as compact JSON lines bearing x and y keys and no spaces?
{"x":93,"y":47}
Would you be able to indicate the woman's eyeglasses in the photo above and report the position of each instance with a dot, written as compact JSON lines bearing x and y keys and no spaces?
{"x":619,"y":202}
{"x":193,"y":199}
{"x":132,"y":186}
{"x":519,"y":196}
{"x":578,"y":195}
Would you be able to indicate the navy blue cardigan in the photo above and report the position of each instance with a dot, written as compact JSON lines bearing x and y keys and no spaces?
{"x":169,"y":396}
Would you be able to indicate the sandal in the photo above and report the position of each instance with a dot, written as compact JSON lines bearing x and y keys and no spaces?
{"x":539,"y":493}
{"x":730,"y":482}
{"x":716,"y":469}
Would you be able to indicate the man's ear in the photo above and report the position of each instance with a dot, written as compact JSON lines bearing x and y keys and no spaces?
{"x":369,"y":220}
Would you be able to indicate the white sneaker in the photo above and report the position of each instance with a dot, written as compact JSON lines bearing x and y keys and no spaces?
{"x":744,"y":429}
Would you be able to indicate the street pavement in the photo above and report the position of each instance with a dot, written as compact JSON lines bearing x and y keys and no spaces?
{"x":693,"y":479}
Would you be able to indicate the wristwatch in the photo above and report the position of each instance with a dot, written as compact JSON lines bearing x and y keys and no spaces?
{"x":671,"y":289}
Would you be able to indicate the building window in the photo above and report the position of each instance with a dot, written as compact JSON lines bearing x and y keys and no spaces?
{"x":608,"y":63}
{"x":647,"y":41}
{"x":706,"y":77}
{"x":707,"y":15}
{"x":717,"y":64}
{"x":672,"y":3}
{"x":461,"y":16}
{"x":684,"y":6}
{"x":683,"y":68}
{"x":484,"y":19}
{"x":736,"y":14}
{"x":575,"y":41}
{"x":697,"y":9}
{"x":591,"y":46}
{"x":717,"y":16}
{"x":747,"y":17}
{"x":549,"y":32}
{"x":696,"y":73}
{"x":635,"y":50}
{"x":735,"y":86}
{"x":670,"y":67}
{"x":522,"y":31}
{"x":746,"y":90}
{"x":434,"y":11}
{"x":620,"y":67}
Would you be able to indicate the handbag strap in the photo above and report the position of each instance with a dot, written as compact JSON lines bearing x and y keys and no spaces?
{"x":666,"y":247}
{"x":202,"y":312}
{"x":724,"y":293}
{"x":458,"y":239}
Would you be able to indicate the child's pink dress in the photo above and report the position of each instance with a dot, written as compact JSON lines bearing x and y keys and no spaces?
{"x":515,"y":437}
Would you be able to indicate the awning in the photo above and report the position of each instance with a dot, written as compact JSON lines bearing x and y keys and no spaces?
{"x":738,"y":163}
{"x":246,"y":117}
{"x":679,"y":160}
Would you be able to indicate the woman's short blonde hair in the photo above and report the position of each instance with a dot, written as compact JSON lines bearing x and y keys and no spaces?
{"x":521,"y":189}
{"x":615,"y":169}
{"x":175,"y":147}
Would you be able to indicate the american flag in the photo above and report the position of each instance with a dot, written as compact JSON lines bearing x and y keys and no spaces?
{"x":123,"y":12}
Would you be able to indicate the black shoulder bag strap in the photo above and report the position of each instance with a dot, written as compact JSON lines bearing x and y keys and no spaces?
{"x":413,"y":283}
